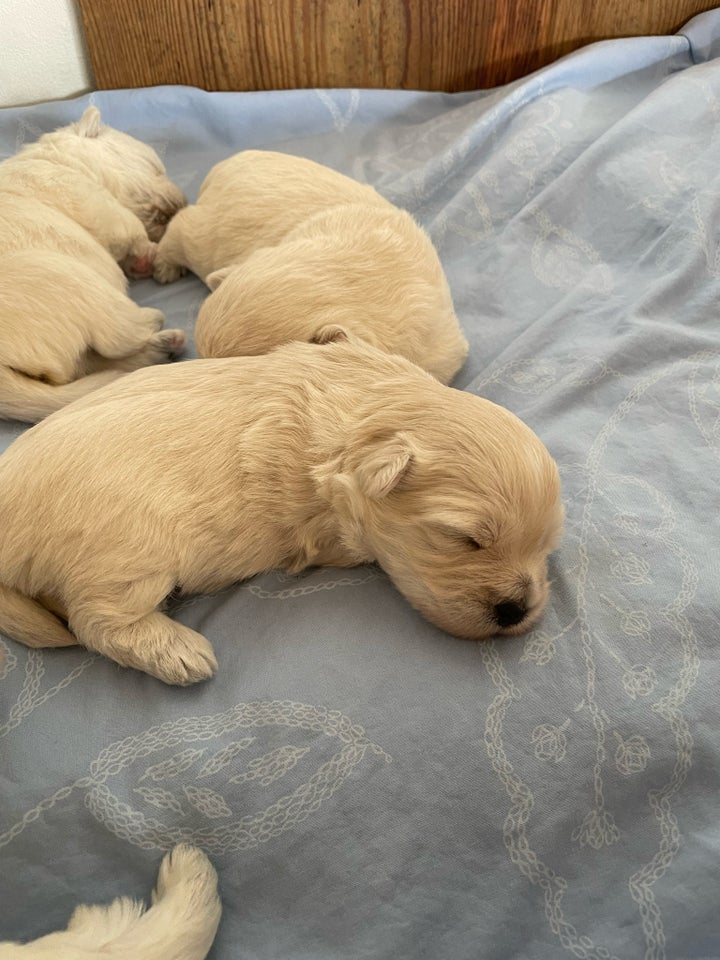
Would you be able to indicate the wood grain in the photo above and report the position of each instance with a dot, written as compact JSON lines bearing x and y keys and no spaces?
{"x":411,"y":44}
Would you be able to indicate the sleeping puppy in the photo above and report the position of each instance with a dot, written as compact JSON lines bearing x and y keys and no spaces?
{"x":192,"y":477}
{"x":73,"y":206}
{"x":180,"y":924}
{"x":289,"y":246}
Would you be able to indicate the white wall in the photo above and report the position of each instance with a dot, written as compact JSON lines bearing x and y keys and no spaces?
{"x":43,"y":55}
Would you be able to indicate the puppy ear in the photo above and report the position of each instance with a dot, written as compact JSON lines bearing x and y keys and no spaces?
{"x":330,"y":333}
{"x":214,"y":279}
{"x":384,"y":465}
{"x":380,"y":466}
{"x":89,"y":124}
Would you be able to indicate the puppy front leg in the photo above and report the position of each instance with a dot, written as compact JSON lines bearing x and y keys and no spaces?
{"x":169,"y":262}
{"x":114,"y":226}
{"x":128,"y":627}
{"x":129,"y":244}
{"x":154,"y":644}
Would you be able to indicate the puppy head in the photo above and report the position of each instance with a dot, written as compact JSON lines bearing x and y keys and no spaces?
{"x":461,"y":508}
{"x":131,"y":170}
{"x":246,"y":316}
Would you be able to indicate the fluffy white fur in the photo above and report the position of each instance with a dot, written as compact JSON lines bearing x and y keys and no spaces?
{"x":74,"y":205}
{"x":290,"y":246}
{"x":180,"y":925}
{"x":191,"y":477}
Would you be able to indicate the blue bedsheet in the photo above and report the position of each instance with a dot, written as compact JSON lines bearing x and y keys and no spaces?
{"x":367,"y":786}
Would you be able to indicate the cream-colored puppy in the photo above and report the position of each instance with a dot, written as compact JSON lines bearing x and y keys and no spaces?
{"x":289,"y":246}
{"x":74,"y":205}
{"x":191,"y":477}
{"x":180,"y":925}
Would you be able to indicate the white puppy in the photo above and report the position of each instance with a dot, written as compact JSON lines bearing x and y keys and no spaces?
{"x":195,"y":476}
{"x":72,"y":206}
{"x":289,"y":246}
{"x":180,"y":925}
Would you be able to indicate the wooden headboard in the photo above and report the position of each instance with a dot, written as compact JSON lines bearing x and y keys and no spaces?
{"x":412,"y":44}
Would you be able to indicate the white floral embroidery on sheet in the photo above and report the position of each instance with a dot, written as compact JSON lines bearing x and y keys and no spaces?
{"x":241,"y":832}
{"x":26,"y":133}
{"x":31,"y":695}
{"x":627,"y":576}
{"x":303,"y":590}
{"x":563,"y":259}
{"x":341,"y":116}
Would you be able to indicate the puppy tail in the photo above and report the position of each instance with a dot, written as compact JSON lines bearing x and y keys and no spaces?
{"x":27,"y":399}
{"x":183,"y":919}
{"x":27,"y":621}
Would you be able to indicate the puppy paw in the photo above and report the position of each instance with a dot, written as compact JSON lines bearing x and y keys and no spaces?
{"x":188,"y":659}
{"x":169,"y":343}
{"x":140,"y":263}
{"x":160,"y":347}
{"x":165,"y":272}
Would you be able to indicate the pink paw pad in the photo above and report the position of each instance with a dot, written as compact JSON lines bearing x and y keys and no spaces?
{"x":175,"y":341}
{"x":141,"y":266}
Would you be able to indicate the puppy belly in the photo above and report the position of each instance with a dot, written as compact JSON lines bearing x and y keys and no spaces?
{"x":211,"y":581}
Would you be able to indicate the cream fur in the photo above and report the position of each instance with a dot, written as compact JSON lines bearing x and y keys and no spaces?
{"x":72,"y":206}
{"x":311,"y":455}
{"x":180,"y":924}
{"x":289,"y":246}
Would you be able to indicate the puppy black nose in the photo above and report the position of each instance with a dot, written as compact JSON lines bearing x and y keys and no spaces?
{"x":508,"y":614}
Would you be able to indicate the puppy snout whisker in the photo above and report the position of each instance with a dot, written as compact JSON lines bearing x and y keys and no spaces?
{"x":509,"y":613}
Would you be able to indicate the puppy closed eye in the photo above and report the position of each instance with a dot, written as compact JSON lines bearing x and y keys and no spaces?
{"x":467,"y":541}
{"x":467,"y":534}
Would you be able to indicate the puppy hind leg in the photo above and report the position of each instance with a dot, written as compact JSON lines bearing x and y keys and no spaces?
{"x":37,"y":349}
{"x":129,"y":629}
{"x":118,"y":229}
{"x":132,"y":337}
{"x":30,"y":622}
{"x":124,"y":328}
{"x":161,"y":348}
